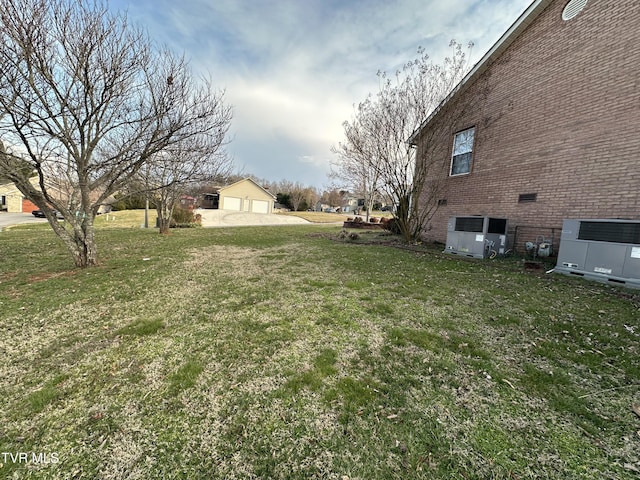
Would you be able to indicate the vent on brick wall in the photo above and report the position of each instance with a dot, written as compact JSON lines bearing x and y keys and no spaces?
{"x":527,"y":197}
{"x":573,"y":8}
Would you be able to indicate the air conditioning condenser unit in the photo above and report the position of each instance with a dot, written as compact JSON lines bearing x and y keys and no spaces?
{"x":476,"y":236}
{"x":603,"y":250}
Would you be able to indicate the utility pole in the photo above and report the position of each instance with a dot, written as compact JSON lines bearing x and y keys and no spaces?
{"x":146,"y":211}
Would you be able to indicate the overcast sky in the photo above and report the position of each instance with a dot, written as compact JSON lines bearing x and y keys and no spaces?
{"x":293,"y":69}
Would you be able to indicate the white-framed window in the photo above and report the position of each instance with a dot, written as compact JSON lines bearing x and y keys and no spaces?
{"x":462,"y":151}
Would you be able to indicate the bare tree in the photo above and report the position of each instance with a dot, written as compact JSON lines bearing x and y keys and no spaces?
{"x":354,"y":166}
{"x":198,"y":155}
{"x":85,"y":101}
{"x":310,"y":196}
{"x":174,"y":171}
{"x":376,"y":143}
{"x":294,"y":194}
{"x":333,"y":197}
{"x":298,"y":194}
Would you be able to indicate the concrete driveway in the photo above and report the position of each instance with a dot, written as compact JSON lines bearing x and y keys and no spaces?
{"x":9,"y":219}
{"x":229,"y":218}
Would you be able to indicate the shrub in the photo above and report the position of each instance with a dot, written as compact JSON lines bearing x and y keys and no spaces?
{"x":374,"y":220}
{"x":130,"y":202}
{"x":391,"y":225}
{"x":346,"y":235}
{"x":183,"y":218}
{"x":358,"y":220}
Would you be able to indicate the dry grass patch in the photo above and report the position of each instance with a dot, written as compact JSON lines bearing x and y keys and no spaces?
{"x":270,"y":353}
{"x":318,"y":217}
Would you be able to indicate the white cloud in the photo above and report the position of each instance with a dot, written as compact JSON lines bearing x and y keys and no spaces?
{"x":293,"y":70}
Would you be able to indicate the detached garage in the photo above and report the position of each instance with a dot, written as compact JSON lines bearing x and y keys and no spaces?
{"x":232,"y":203}
{"x":242,"y":196}
{"x":260,"y":206}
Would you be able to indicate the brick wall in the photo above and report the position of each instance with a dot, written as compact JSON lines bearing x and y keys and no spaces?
{"x":28,"y":206}
{"x":557,"y":115}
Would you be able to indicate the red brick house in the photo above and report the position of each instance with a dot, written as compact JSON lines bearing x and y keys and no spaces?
{"x":546,"y":126}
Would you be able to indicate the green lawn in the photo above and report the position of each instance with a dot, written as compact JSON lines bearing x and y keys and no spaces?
{"x":280,"y":352}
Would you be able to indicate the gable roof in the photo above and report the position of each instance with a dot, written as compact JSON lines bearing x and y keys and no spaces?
{"x":247,"y":180}
{"x":524,"y":20}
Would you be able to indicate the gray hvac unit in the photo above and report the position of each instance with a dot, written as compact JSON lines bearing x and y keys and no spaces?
{"x":477,"y":237}
{"x":602,"y":250}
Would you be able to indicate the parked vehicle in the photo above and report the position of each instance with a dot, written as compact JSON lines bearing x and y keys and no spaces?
{"x":40,"y":214}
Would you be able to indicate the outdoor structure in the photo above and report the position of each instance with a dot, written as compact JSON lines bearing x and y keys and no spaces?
{"x":242,"y":196}
{"x":477,"y":237}
{"x":12,"y":200}
{"x":350,"y":203}
{"x":187,"y":202}
{"x":545,"y":126}
{"x":603,"y":250}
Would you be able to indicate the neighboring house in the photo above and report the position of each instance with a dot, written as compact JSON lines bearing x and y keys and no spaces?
{"x":187,"y":202}
{"x":12,"y":200}
{"x":350,"y":203}
{"x":321,"y":207}
{"x":107,"y":206}
{"x":546,"y":125}
{"x":242,"y":196}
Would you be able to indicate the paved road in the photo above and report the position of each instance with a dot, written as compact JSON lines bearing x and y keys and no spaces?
{"x":228,"y":218}
{"x":8,"y":219}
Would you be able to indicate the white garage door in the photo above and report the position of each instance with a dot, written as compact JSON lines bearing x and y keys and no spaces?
{"x":232,"y":203}
{"x":260,"y":206}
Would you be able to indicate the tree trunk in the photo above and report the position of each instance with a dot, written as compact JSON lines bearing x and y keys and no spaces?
{"x":164,"y":224}
{"x":370,"y":201}
{"x":90,"y":249}
{"x":81,"y":243}
{"x":85,"y":253}
{"x":403,"y":218}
